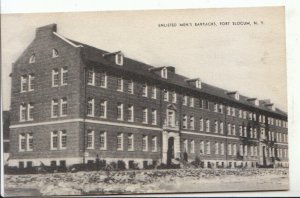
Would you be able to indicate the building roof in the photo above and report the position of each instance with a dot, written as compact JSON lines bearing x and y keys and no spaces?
{"x":92,"y":55}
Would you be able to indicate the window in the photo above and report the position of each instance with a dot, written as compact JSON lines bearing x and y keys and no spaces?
{"x":166,"y":95}
{"x":23,"y":83}
{"x":228,"y":111}
{"x":240,"y":113}
{"x":145,"y":143}
{"x":120,"y":84}
{"x":245,"y":150}
{"x":22,"y":142}
{"x":215,"y":107}
{"x":64,"y":76}
{"x":153,"y":117}
{"x":241,"y":130}
{"x":254,"y":116}
{"x":55,"y":78}
{"x":119,"y":58}
{"x":206,"y":104}
{"x":192,"y":146}
{"x":245,"y":114}
{"x":198,"y":84}
{"x":63,"y":139}
{"x":229,"y":129}
{"x":54,"y":53}
{"x":30,"y":111}
{"x":229,"y":149}
{"x":233,"y":130}
{"x":191,"y":102}
{"x":222,"y":148}
{"x":171,"y":118}
{"x":255,"y":150}
{"x":234,"y":149}
{"x":251,"y":150}
{"x":241,"y":150}
{"x":102,"y":140}
{"x":145,"y":90}
{"x":90,"y":139}
{"x":221,"y":128}
{"x":192,"y":122}
{"x":32,"y":58}
{"x":120,"y":112}
{"x":207,"y":126}
{"x":201,"y":124}
{"x":216,"y":126}
{"x":154,"y":144}
{"x":184,"y":122}
{"x":145,"y":115}
{"x":251,"y":132}
{"x":153,"y":92}
{"x":31,"y":82}
{"x":54,"y":109}
{"x":63,"y":107}
{"x":245,"y":131}
{"x":130,"y":113}
{"x":174,"y":97}
{"x":185,"y":145}
{"x":103,"y":109}
{"x":29,"y":142}
{"x":255,"y":133}
{"x":103,"y":80}
{"x":90,"y":107}
{"x":130,"y":86}
{"x":130,"y":142}
{"x":200,"y":103}
{"x":54,"y":140}
{"x":216,"y":148}
{"x":250,"y":115}
{"x":91,"y":77}
{"x":232,"y":111}
{"x":185,"y":98}
{"x":164,"y":73}
{"x":201,"y":147}
{"x":220,"y":108}
{"x":208,"y":147}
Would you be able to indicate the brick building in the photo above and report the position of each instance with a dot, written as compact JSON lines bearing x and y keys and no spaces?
{"x":71,"y":102}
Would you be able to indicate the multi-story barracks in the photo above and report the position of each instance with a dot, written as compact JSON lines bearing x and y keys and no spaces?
{"x":71,"y":102}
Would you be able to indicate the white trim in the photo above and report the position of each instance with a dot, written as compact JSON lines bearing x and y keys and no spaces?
{"x":284,"y":144}
{"x":66,"y":40}
{"x":82,"y":120}
{"x":208,"y":135}
{"x":105,"y":140}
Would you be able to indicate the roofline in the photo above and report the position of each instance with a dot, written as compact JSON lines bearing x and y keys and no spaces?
{"x":66,"y":40}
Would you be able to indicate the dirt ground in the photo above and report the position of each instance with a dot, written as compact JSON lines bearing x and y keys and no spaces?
{"x":147,"y":181}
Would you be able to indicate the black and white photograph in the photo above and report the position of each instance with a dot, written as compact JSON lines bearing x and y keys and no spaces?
{"x":144,"y":102}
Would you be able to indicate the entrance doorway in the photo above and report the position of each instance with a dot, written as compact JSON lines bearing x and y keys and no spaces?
{"x":170,"y":152}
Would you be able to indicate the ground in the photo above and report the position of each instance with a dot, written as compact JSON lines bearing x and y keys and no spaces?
{"x":147,"y":181}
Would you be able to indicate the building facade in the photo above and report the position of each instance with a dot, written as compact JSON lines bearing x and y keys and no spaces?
{"x":71,"y":102}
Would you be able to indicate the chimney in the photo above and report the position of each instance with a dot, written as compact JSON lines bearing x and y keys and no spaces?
{"x":46,"y":30}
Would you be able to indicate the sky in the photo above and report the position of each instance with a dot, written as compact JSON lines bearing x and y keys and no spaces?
{"x":247,"y":58}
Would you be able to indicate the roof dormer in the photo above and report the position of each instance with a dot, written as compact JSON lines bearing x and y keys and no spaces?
{"x":196,"y":82}
{"x":117,"y":57}
{"x":253,"y":101}
{"x":234,"y":94}
{"x":163,"y":71}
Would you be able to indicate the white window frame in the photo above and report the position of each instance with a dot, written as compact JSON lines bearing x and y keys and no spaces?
{"x":222,"y":148}
{"x":192,"y":146}
{"x":153,"y":92}
{"x":22,"y":112}
{"x":221,"y":128}
{"x":154,"y":115}
{"x":51,"y":141}
{"x":119,"y":59}
{"x":216,"y":107}
{"x":62,"y":134}
{"x":207,"y":125}
{"x":22,"y":136}
{"x":228,"y":129}
{"x":233,"y":129}
{"x":131,"y":139}
{"x":29,"y":137}
{"x":184,"y":122}
{"x":185,"y":100}
{"x":31,"y":79}
{"x":234,"y":150}
{"x":54,"y":53}
{"x":105,"y":79}
{"x":166,"y":95}
{"x":145,"y":143}
{"x":174,"y":97}
{"x":185,"y":146}
{"x":104,"y":136}
{"x":103,"y":104}
{"x":121,"y":80}
{"x":63,"y":70}
{"x":216,"y":148}
{"x":216,"y":126}
{"x":192,"y":102}
{"x":144,"y":90}
{"x":63,"y":101}
{"x":24,"y":81}
{"x":192,"y":122}
{"x":154,"y":144}
{"x":202,"y":150}
{"x":208,"y":149}
{"x":92,"y":72}
{"x":229,"y":149}
{"x":30,"y":108}
{"x":55,"y":72}
{"x":145,"y":116}
{"x":120,"y":107}
{"x":32,"y":59}
{"x":131,"y":109}
{"x":92,"y":134}
{"x":53,"y":103}
{"x":121,"y":136}
{"x":164,"y":73}
{"x":91,"y":102}
{"x":201,"y":124}
{"x":130,"y":87}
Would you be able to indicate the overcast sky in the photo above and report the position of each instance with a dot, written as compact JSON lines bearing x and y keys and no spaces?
{"x":250,"y":59}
